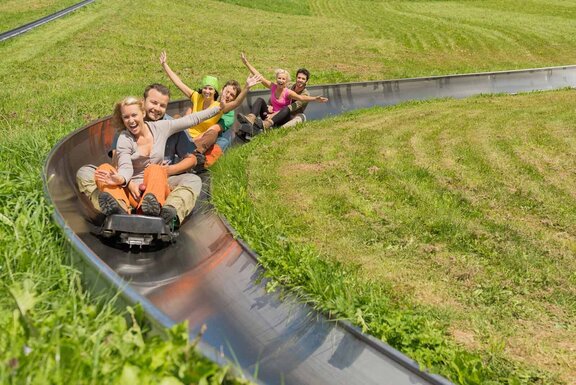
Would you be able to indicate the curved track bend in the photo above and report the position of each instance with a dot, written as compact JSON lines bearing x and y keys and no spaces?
{"x":210,"y":278}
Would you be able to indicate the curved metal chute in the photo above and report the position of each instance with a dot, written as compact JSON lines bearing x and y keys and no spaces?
{"x":209,"y":278}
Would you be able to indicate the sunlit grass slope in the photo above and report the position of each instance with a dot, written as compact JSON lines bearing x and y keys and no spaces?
{"x":408,"y":38}
{"x":62,"y":75}
{"x":14,"y":13}
{"x":460,"y":212}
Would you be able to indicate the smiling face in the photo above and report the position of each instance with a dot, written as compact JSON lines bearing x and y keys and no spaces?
{"x":301,"y":80}
{"x":230,"y":94}
{"x":133,"y":118}
{"x":281,"y":79}
{"x":208,"y":92}
{"x":155,"y":105}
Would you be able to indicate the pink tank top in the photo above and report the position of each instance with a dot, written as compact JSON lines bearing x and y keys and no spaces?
{"x":283,"y":101}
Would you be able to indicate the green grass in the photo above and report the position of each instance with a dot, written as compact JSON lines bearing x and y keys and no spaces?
{"x":452,"y":220}
{"x":69,"y":72}
{"x":292,"y":7}
{"x":15,"y":13}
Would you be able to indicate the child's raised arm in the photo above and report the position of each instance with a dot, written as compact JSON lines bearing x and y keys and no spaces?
{"x":175,"y":78}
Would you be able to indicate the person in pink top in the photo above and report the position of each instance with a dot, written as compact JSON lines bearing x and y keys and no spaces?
{"x":283,"y":100}
{"x":280,"y":97}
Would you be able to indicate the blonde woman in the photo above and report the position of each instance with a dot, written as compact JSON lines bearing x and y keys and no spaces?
{"x":140,"y":150}
{"x":281,"y":96}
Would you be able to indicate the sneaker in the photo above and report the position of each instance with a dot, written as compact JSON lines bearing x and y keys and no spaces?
{"x":109,"y":205}
{"x":244,"y":137}
{"x":247,"y":128}
{"x":259,"y":125}
{"x":150,"y":205}
{"x":200,"y":163}
{"x":245,"y":119}
{"x":169,"y":214}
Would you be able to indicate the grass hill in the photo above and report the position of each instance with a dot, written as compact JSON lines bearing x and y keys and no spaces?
{"x":463,"y":227}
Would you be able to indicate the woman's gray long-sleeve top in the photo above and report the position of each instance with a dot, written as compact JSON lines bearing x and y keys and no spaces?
{"x":131,"y":164}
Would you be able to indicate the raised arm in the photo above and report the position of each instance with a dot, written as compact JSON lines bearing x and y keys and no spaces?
{"x":176,"y":125}
{"x":251,"y":81}
{"x":306,"y":98}
{"x":298,"y":104}
{"x":175,"y":78}
{"x":265,"y":82}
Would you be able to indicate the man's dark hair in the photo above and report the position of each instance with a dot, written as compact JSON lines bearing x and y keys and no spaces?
{"x":305,"y":72}
{"x":158,"y":87}
{"x":235,"y":85}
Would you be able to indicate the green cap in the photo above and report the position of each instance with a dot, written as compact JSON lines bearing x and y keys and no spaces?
{"x":210,"y":81}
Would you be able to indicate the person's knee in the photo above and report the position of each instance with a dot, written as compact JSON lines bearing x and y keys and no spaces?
{"x":106,"y":167}
{"x":191,"y":181}
{"x":86,"y":173}
{"x":223,"y":143}
{"x":85,"y":179}
{"x":154,"y":169}
{"x":206,"y":140}
{"x":297,"y":119}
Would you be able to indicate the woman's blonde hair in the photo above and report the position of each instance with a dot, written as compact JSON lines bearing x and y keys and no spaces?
{"x":117,"y":121}
{"x":281,"y":71}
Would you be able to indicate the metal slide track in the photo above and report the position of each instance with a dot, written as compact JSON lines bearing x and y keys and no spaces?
{"x":209,"y":278}
{"x":27,"y":27}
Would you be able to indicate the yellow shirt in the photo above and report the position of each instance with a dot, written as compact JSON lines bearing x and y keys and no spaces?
{"x":197,"y":103}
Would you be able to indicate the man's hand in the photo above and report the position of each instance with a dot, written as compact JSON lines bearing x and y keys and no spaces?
{"x":134,"y":190}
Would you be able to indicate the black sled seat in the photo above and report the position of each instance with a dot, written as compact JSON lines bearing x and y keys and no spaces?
{"x":136,"y":230}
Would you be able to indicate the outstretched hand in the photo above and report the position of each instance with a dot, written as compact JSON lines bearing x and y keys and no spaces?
{"x":163,"y":57}
{"x":321,"y":99}
{"x":222,"y":101}
{"x":252,"y":80}
{"x":109,"y":177}
{"x":224,"y":94}
{"x":243,"y":57}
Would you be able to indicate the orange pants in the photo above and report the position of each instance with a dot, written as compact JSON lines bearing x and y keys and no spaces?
{"x":213,"y":154}
{"x":155,"y":179}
